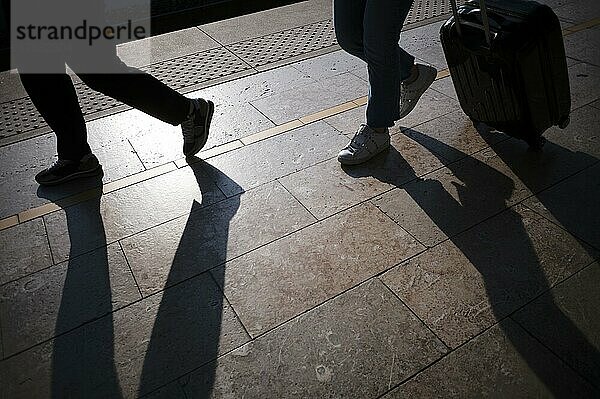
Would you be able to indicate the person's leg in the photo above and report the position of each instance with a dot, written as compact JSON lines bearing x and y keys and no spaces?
{"x":388,"y":64}
{"x":370,"y":29}
{"x":55,"y":99}
{"x":348,"y":18}
{"x":146,"y":93}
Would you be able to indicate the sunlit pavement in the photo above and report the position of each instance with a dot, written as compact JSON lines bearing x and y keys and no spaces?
{"x":458,"y":263}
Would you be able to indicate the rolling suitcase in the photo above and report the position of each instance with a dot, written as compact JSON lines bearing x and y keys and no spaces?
{"x":508,"y":65}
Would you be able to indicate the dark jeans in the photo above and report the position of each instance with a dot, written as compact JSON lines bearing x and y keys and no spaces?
{"x":370,"y":30}
{"x":55,"y":98}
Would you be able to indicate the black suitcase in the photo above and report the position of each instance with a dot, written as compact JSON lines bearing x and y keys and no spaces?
{"x":507,"y":61}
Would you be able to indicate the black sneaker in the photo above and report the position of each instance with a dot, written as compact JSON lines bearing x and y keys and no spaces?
{"x":195,"y":127}
{"x":64,"y":170}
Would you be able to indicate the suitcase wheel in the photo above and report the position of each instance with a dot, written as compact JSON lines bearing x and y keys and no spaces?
{"x":564,"y":123}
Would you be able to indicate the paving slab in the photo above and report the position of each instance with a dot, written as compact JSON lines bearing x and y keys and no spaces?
{"x":431,"y":105}
{"x":173,"y":390}
{"x":566,"y":320}
{"x":160,"y":143}
{"x":130,"y":210}
{"x":177,"y":250}
{"x":583,"y":46}
{"x":165,"y":47}
{"x":348,"y":122}
{"x":302,"y":101}
{"x":573,"y":204}
{"x":445,"y":86}
{"x":465,"y":285}
{"x":328,"y":187}
{"x":132,"y":351}
{"x":268,"y":160}
{"x":328,"y":65}
{"x":453,"y":136}
{"x":585,"y":84}
{"x":55,"y":300}
{"x":445,"y":202}
{"x":20,"y":162}
{"x":424,"y":43}
{"x":566,"y":152}
{"x":578,"y":11}
{"x":12,"y":88}
{"x":254,"y":87}
{"x":287,"y":277}
{"x":24,"y":250}
{"x":327,"y":352}
{"x":266,"y":22}
{"x":503,"y":362}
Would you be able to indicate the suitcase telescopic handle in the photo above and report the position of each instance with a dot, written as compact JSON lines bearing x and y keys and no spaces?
{"x":484,"y":18}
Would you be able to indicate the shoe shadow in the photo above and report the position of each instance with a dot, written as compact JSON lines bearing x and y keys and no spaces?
{"x":501,"y":249}
{"x":187,"y":315}
{"x":83,"y":359}
{"x":187,"y":327}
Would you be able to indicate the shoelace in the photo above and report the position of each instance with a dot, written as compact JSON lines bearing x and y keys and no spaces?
{"x":58,"y":164}
{"x":187,"y":126}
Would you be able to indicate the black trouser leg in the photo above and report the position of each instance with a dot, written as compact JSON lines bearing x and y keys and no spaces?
{"x":140,"y":90}
{"x":55,"y":99}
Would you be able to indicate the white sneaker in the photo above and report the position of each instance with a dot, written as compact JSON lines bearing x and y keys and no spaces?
{"x":365,"y":144}
{"x":411,"y":92}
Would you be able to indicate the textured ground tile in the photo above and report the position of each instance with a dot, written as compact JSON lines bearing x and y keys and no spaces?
{"x":581,"y":136}
{"x":329,"y":187}
{"x":445,"y":86}
{"x":207,"y":237}
{"x":585,"y":84}
{"x":465,"y":285}
{"x":504,"y":362}
{"x":19,"y":163}
{"x":573,"y":204}
{"x":583,"y":46}
{"x":254,"y":87}
{"x":328,"y":65}
{"x":328,"y":352}
{"x":424,"y":43}
{"x":133,"y":351}
{"x":431,"y":105}
{"x":281,"y":280}
{"x":453,"y":136}
{"x":55,"y":300}
{"x":164,"y":47}
{"x":23,"y":250}
{"x":266,"y":22}
{"x":161,"y":143}
{"x":446,"y":202}
{"x":348,"y":122}
{"x":128,"y":211}
{"x":566,"y":320}
{"x":268,"y":160}
{"x":306,"y":100}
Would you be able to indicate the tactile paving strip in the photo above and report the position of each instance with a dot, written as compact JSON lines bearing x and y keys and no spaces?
{"x":197,"y":68}
{"x":282,"y":45}
{"x":20,"y":116}
{"x":426,"y":9}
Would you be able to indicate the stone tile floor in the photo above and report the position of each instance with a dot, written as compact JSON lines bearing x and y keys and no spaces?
{"x":456,"y":264}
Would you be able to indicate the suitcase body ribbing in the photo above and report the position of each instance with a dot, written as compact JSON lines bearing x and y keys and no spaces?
{"x":513,"y":75}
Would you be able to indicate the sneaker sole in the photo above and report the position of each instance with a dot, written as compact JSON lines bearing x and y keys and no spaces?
{"x":89,"y":173}
{"x":430,"y":80}
{"x":201,"y":142}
